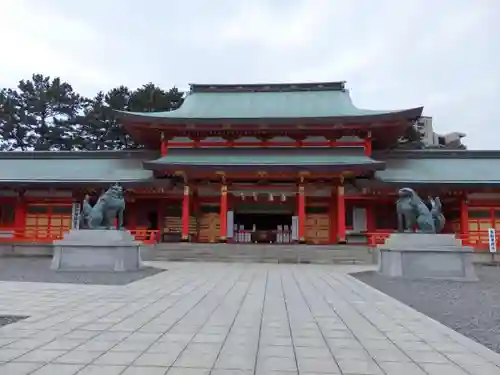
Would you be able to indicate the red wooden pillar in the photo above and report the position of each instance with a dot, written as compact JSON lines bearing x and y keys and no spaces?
{"x":223,"y":213}
{"x":340,"y":215}
{"x":185,"y":214}
{"x":302,"y":213}
{"x":464,"y":217}
{"x":20,"y":215}
{"x":161,"y":220}
{"x":196,"y":212}
{"x":164,"y":145}
{"x":333,"y":216}
{"x":368,"y":147}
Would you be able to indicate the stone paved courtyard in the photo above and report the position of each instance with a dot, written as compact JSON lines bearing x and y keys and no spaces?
{"x":228,"y":319}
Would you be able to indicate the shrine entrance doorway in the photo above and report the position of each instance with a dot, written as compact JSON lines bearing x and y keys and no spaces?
{"x":261,"y":223}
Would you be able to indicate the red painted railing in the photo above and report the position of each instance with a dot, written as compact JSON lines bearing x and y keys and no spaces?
{"x":146,"y":236}
{"x":377,"y":238}
{"x":479,"y":240}
{"x":31,"y":234}
{"x":49,"y":235}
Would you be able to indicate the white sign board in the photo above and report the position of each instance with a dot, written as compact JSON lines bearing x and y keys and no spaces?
{"x":295,"y":228}
{"x":230,"y":224}
{"x":492,"y":240}
{"x":75,"y":216}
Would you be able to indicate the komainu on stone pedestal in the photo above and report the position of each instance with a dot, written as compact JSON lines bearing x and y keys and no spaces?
{"x":420,"y":251}
{"x":97,"y":250}
{"x":109,"y":206}
{"x":426,"y":255}
{"x":413,"y":213}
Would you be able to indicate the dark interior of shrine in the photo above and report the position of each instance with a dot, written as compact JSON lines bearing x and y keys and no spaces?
{"x":263,"y":221}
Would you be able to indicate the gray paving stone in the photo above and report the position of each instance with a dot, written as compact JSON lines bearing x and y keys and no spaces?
{"x":58,"y":368}
{"x":235,"y":362}
{"x":277,"y":351}
{"x":229,"y":318}
{"x":10,"y":354}
{"x":78,"y":357}
{"x":313,"y":352}
{"x":356,"y":366}
{"x":390,"y":355}
{"x":421,"y":356}
{"x":101,"y":370}
{"x":41,"y":356}
{"x":117,"y":358}
{"x":187,"y":371}
{"x":401,"y":368}
{"x":18,"y":368}
{"x":443,"y":369}
{"x":269,"y":364}
{"x":317,"y":365}
{"x":145,"y":370}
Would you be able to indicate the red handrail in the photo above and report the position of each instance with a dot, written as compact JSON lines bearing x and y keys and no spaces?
{"x":146,"y":236}
{"x":478,"y":239}
{"x":377,"y":238}
{"x":37,"y":234}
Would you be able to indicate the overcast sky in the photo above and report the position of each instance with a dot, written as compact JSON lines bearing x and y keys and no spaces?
{"x":442,"y":54}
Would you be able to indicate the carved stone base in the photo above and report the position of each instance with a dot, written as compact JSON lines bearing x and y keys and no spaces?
{"x":97,"y":250}
{"x":426,"y":255}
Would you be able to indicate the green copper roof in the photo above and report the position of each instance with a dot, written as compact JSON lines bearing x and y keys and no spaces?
{"x":237,"y":103}
{"x":434,"y":167}
{"x":279,"y":158}
{"x":54,"y":167}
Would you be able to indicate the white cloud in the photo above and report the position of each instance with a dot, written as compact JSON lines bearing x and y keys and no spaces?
{"x":393,"y":54}
{"x":39,"y":41}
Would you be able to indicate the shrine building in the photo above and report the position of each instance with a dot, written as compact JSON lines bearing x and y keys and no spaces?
{"x":270,"y":163}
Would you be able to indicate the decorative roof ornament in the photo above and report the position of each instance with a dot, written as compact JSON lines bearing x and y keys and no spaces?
{"x":271,"y":197}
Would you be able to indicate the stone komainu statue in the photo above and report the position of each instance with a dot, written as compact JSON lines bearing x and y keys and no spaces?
{"x":109,"y":206}
{"x":413,"y":212}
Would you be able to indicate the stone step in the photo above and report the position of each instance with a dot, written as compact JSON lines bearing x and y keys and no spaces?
{"x":263,"y":253}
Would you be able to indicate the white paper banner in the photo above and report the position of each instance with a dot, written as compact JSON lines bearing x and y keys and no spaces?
{"x":492,"y":240}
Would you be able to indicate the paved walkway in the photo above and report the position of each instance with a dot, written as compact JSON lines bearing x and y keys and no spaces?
{"x":228,"y":319}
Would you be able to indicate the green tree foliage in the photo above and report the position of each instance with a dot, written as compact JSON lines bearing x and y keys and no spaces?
{"x":48,"y":110}
{"x":102,"y":130}
{"x":47,"y":114}
{"x":13,"y":133}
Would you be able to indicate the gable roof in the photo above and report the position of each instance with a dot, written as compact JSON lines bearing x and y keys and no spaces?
{"x":73,"y":167}
{"x":440,"y":167}
{"x":313,"y":102}
{"x":282,"y":159}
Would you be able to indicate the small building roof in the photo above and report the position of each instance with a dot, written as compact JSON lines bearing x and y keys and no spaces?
{"x":281,"y":159}
{"x":73,"y":167}
{"x":440,"y":167}
{"x":309,"y":102}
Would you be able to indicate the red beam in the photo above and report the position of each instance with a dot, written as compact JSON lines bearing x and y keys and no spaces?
{"x":267,"y":144}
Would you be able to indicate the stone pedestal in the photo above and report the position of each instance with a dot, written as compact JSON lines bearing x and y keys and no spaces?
{"x":426,"y":255}
{"x":97,"y":250}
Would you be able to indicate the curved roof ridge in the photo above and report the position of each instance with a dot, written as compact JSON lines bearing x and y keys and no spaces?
{"x":246,"y":105}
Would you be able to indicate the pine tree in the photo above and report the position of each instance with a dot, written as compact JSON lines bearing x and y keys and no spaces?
{"x":49,"y":110}
{"x":13,"y":133}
